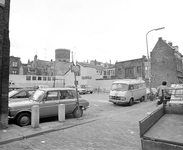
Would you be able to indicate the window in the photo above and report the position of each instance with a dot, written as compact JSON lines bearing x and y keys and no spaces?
{"x":44,"y":78}
{"x":49,"y":78}
{"x":39,"y":78}
{"x":66,"y":94}
{"x":136,"y":86}
{"x":129,"y":73}
{"x":139,"y":69}
{"x":14,"y":64}
{"x":33,"y":77}
{"x":119,"y":71}
{"x":52,"y":95}
{"x":21,"y":95}
{"x":28,"y":77}
{"x":14,"y":72}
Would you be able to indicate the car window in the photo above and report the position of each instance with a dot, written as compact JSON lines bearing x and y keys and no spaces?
{"x":131,"y":87}
{"x":22,"y":94}
{"x":66,"y":94}
{"x":52,"y":95}
{"x":136,"y":86}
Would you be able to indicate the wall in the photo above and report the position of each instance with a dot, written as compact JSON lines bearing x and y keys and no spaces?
{"x":163,"y":64}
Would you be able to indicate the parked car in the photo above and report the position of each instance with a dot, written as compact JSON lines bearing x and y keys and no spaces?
{"x":48,"y":100}
{"x":79,"y":88}
{"x":15,"y":87}
{"x":21,"y":93}
{"x":88,"y":88}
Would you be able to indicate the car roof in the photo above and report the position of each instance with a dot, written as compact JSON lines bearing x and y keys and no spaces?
{"x":129,"y":81}
{"x":57,"y":89}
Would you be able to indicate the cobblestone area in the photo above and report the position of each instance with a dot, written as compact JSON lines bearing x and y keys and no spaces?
{"x":117,"y":130}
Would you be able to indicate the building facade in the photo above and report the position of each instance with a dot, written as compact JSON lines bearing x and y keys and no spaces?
{"x":166,"y":63}
{"x":131,"y":69}
{"x":14,"y":65}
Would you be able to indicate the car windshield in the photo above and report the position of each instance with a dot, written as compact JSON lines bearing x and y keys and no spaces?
{"x":11,"y":93}
{"x":37,"y":95}
{"x":119,"y":87}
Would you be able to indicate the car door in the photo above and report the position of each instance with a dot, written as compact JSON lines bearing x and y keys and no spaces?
{"x":49,"y":105}
{"x":68,"y":99}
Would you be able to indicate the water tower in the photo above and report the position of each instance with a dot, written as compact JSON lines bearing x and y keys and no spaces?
{"x":62,"y":55}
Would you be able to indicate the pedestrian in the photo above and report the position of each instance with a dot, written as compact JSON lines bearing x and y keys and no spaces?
{"x":163,"y":93}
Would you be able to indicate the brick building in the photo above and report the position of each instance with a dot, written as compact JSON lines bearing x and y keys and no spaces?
{"x":131,"y":69}
{"x":166,"y":63}
{"x":15,"y":65}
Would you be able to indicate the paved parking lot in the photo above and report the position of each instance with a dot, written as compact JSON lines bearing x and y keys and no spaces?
{"x":116,"y":127}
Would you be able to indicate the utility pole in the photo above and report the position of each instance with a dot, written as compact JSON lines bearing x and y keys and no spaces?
{"x":4,"y":61}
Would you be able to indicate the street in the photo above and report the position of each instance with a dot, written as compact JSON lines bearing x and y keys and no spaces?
{"x":115,"y":127}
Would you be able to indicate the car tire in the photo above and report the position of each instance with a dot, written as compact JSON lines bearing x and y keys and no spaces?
{"x":91,"y":92}
{"x":142,"y":99}
{"x":76,"y":114}
{"x":23,"y":119}
{"x":131,"y":102}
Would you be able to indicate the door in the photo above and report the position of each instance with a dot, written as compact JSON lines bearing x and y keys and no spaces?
{"x":49,"y":105}
{"x":68,"y":98}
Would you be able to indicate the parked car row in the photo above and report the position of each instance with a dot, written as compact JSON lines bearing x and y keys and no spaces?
{"x":82,"y":89}
{"x":48,"y":99}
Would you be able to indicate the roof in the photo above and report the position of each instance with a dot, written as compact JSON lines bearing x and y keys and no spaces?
{"x":129,"y":81}
{"x":51,"y":89}
{"x":91,"y":66}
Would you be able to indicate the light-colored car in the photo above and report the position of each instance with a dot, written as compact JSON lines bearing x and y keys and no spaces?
{"x":79,"y":88}
{"x":88,"y":88}
{"x":48,"y":100}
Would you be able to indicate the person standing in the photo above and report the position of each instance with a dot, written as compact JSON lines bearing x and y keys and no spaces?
{"x":163,"y":93}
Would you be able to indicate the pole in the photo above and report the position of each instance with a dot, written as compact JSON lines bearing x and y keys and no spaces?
{"x":4,"y":62}
{"x":149,"y":59}
{"x":76,"y":86}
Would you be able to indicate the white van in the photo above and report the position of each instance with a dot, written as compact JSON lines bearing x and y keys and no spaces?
{"x":127,"y":91}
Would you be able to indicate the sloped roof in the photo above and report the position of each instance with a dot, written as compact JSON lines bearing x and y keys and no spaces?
{"x":91,"y":66}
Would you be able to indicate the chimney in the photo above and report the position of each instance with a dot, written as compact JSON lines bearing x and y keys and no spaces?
{"x":170,"y":43}
{"x":160,"y":38}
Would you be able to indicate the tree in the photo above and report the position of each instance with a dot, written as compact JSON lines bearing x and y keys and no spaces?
{"x":4,"y":62}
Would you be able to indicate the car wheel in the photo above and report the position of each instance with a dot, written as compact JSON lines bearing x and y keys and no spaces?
{"x":77,"y":113}
{"x":131,"y":102}
{"x":142,"y":99}
{"x":23,"y":119}
{"x":91,"y":92}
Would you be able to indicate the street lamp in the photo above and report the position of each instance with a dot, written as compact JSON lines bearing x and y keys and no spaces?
{"x":149,"y":61}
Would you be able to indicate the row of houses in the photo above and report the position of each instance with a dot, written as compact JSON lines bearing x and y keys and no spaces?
{"x":165,"y":64}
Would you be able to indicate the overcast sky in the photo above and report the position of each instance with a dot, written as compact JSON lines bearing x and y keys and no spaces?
{"x":94,"y":29}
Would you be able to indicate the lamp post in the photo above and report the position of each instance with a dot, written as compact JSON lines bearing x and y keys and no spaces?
{"x":148,"y":58}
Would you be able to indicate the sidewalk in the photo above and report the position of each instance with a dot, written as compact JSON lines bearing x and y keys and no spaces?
{"x":15,"y":133}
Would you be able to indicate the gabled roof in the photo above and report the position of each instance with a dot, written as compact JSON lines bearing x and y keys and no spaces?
{"x":87,"y":65}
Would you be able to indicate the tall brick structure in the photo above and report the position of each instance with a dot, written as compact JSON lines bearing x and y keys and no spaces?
{"x":166,"y":63}
{"x":4,"y":63}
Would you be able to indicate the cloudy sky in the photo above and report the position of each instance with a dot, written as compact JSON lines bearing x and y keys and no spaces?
{"x":93,"y":29}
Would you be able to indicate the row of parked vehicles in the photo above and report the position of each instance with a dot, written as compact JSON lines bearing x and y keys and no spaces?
{"x":21,"y":101}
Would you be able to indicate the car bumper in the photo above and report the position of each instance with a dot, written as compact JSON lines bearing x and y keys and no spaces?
{"x":118,"y":101}
{"x":86,"y":107}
